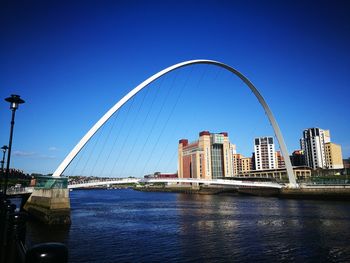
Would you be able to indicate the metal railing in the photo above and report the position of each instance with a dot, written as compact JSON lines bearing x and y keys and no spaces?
{"x":49,"y":182}
{"x":13,"y":235}
{"x":19,"y":190}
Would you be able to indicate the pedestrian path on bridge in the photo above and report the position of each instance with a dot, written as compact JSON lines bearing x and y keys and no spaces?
{"x":222,"y":182}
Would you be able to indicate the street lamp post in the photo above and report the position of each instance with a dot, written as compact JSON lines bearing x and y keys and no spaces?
{"x":4,"y":149}
{"x":14,"y":101}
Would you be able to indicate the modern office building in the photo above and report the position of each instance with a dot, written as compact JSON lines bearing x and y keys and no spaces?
{"x":253,"y":161}
{"x":334,"y":158}
{"x":346,"y":164}
{"x":264,"y":153}
{"x":160,"y":175}
{"x":297,"y":158}
{"x":241,"y":164}
{"x":280,"y":160}
{"x":300,"y":172}
{"x":210,"y":157}
{"x":313,"y":145}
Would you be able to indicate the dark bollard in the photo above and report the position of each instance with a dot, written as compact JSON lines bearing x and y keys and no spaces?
{"x":47,"y":253}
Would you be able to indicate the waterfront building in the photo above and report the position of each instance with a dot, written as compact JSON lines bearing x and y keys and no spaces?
{"x":346,"y":163}
{"x":313,"y":145}
{"x":334,"y":158}
{"x":210,"y":157}
{"x":264,"y":153}
{"x":280,"y":174}
{"x":280,"y":160}
{"x":297,"y":158}
{"x":159,"y":175}
{"x":241,"y":164}
{"x":319,"y":151}
{"x":253,"y":161}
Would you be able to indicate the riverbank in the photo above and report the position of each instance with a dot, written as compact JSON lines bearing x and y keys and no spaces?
{"x":186,"y":190}
{"x":210,"y":190}
{"x":316,"y":192}
{"x":105,"y":187}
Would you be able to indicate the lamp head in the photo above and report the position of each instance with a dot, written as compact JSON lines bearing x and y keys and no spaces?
{"x":4,"y":148}
{"x":14,"y":101}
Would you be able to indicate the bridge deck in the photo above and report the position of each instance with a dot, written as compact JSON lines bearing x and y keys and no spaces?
{"x":179,"y":180}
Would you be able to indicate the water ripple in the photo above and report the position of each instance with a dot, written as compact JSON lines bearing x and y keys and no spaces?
{"x":131,"y":226}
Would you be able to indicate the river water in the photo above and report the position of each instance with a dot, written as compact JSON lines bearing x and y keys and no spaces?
{"x":131,"y":226}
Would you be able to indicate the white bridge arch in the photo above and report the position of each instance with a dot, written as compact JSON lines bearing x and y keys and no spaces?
{"x":119,"y":104}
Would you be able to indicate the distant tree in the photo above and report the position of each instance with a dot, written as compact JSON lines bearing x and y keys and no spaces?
{"x":36,"y":174}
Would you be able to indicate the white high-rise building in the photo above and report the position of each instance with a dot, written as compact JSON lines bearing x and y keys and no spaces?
{"x":265,"y":155}
{"x":313,"y":145}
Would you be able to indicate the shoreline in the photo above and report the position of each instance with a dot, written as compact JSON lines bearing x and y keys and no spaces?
{"x":301,"y":193}
{"x":317,"y":193}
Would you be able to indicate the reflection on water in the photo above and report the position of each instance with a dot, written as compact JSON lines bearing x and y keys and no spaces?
{"x":39,"y":233}
{"x":131,"y":226}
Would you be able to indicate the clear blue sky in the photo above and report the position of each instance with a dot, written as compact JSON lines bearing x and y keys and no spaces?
{"x":72,"y":60}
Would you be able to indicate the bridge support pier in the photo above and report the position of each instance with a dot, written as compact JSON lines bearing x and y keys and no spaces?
{"x":195,"y":186}
{"x":50,"y":201}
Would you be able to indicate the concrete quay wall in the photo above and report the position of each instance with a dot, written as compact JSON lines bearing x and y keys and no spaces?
{"x":317,"y":192}
{"x":309,"y":192}
{"x":51,"y":206}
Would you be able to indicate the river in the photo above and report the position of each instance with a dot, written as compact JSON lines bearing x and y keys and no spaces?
{"x":132,"y":226}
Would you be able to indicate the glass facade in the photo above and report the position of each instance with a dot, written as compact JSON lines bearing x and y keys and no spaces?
{"x":217,"y":161}
{"x":210,"y":157}
{"x":49,"y":182}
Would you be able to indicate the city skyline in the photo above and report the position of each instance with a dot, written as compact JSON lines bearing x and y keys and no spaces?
{"x":72,"y":61}
{"x":264,"y":157}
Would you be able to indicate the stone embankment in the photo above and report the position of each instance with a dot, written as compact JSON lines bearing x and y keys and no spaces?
{"x":339,"y":192}
{"x":186,"y":190}
{"x":310,"y":192}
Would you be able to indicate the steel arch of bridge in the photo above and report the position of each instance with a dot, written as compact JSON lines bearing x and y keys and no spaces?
{"x":69,"y":158}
